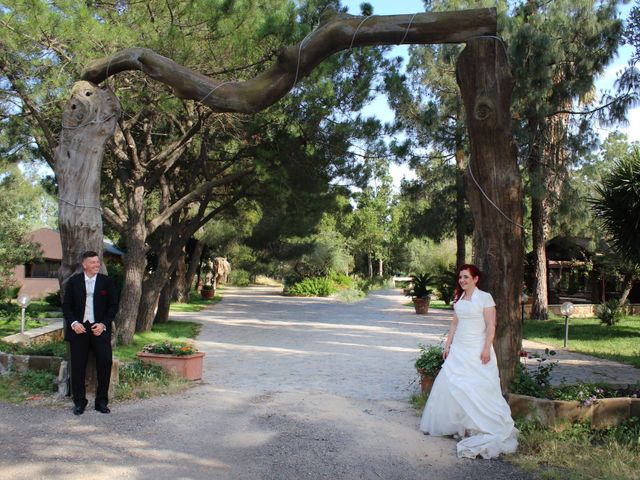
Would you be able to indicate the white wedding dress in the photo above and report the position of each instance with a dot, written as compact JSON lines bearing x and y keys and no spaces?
{"x":466,"y":399}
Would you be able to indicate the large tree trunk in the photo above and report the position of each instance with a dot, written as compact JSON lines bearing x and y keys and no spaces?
{"x":164,"y":303}
{"x":194,"y":268}
{"x":461,"y":227}
{"x":486,"y":85}
{"x":88,"y":121}
{"x":627,"y":285}
{"x":180,"y":292}
{"x":134,"y":269}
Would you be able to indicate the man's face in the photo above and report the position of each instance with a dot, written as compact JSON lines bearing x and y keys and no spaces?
{"x":91,"y":266}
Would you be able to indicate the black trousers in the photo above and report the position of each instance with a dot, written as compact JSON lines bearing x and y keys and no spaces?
{"x":80,"y":346}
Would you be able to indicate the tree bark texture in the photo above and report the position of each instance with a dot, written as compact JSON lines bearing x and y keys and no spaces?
{"x":486,"y":85}
{"x":194,"y":267}
{"x":88,"y":121}
{"x":134,"y":267}
{"x":338,"y":32}
{"x":180,"y":291}
{"x":164,"y":302}
{"x":461,"y":227}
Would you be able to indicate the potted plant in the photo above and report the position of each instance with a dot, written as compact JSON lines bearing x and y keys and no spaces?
{"x":419,"y":291}
{"x":428,"y":364}
{"x":180,"y":358}
{"x":207,"y":292}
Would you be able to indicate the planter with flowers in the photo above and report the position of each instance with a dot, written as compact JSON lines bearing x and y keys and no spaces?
{"x":179,"y":358}
{"x":428,"y":364}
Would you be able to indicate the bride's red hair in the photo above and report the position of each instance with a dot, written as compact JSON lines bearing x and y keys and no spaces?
{"x":475,"y":273}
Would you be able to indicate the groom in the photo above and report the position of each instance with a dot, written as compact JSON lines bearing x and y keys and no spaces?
{"x":89,"y":306}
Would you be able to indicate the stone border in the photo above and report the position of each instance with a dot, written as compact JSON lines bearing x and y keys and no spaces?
{"x":59,"y":367}
{"x":602,"y":413}
{"x":48,"y":333}
{"x":582,"y":310}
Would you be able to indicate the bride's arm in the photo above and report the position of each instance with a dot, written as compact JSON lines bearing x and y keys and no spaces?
{"x":489,"y":314}
{"x":452,"y":331}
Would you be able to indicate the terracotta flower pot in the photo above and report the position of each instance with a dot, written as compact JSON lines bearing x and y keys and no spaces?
{"x":186,"y":366}
{"x":421,"y":305}
{"x":207,"y":293}
{"x":426,"y":381}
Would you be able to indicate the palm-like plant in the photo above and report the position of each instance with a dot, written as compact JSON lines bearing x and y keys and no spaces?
{"x":617,"y":205}
{"x":419,"y":286}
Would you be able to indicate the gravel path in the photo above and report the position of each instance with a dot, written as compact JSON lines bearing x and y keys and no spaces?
{"x":293,"y":389}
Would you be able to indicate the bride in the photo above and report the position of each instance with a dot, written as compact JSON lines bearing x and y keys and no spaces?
{"x":466,"y":400}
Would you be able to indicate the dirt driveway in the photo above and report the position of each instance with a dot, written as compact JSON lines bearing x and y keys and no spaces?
{"x":293,"y":389}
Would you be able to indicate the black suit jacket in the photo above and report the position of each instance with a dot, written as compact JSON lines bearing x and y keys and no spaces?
{"x":105,"y":302}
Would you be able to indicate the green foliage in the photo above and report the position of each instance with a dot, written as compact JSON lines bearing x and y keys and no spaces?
{"x":536,"y":383}
{"x":49,"y":349}
{"x":445,"y":281}
{"x":374,"y":283}
{"x":578,"y":451}
{"x":10,"y":323}
{"x":168,"y":347}
{"x":37,"y":381}
{"x":239,"y":278}
{"x":617,"y":206}
{"x":430,"y":360}
{"x":418,"y":401}
{"x":419,"y":286}
{"x":312,"y":287}
{"x":54,"y":299}
{"x":15,"y":246}
{"x":609,"y":312}
{"x":591,"y":337}
{"x":141,"y":380}
{"x":425,"y":255}
{"x":170,"y":331}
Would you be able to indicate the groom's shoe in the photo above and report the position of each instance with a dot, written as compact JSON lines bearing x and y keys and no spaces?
{"x":102,"y":408}
{"x":78,"y":408}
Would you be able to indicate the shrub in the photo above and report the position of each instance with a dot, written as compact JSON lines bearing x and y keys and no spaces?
{"x":49,"y":349}
{"x":609,"y":312}
{"x":538,"y":382}
{"x":53,"y":299}
{"x":430,"y":360}
{"x":312,"y":287}
{"x":37,"y":381}
{"x":9,"y":292}
{"x":341,"y":280}
{"x":239,"y":278}
{"x":445,"y":282}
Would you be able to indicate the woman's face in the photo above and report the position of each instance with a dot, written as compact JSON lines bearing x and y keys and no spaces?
{"x":466,"y":280}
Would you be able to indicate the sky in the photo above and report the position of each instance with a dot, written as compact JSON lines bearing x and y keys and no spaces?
{"x":380,"y":109}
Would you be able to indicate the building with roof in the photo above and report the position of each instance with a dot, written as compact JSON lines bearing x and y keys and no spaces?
{"x":40,"y":277}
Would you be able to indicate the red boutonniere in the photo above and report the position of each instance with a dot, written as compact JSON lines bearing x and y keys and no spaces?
{"x":103,"y":293}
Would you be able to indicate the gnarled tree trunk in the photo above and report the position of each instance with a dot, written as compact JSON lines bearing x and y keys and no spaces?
{"x":88,"y":121}
{"x":486,"y":85}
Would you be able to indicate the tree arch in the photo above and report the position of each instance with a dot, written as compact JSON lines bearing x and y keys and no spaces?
{"x":495,"y":190}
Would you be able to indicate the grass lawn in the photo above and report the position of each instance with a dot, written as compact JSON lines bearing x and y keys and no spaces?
{"x":11,"y":325}
{"x":620,"y":342}
{"x":160,"y":332}
{"x":572,"y":452}
{"x":196,"y":304}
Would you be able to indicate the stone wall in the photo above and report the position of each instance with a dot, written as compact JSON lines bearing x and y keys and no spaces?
{"x":601,"y":413}
{"x":581,"y":310}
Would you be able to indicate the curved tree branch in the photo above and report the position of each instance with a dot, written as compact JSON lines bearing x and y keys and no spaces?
{"x":338,"y":32}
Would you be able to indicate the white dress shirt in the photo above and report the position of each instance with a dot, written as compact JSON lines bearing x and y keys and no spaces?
{"x":90,"y":285}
